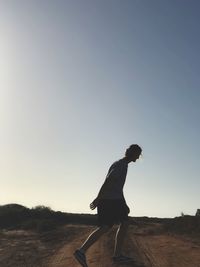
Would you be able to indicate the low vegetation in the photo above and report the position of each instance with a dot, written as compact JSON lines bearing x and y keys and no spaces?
{"x":39,"y":218}
{"x":42,"y":219}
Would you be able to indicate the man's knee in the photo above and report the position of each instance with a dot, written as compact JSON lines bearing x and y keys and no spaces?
{"x":105,"y":228}
{"x":125,"y":224}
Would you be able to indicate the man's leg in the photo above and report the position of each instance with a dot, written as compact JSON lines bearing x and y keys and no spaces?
{"x":119,"y":238}
{"x":93,"y":237}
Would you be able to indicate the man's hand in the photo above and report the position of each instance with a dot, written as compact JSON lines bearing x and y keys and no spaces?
{"x":127,"y":209}
{"x":94,"y":204}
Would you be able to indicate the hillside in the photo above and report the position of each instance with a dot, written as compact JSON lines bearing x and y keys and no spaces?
{"x":40,"y":237}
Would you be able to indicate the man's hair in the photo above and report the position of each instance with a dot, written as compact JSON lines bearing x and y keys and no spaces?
{"x":132,"y":150}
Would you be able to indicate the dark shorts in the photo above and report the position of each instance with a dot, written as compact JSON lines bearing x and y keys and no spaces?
{"x":112,"y":211}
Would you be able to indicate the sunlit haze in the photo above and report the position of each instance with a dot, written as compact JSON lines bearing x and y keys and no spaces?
{"x":80,"y":81}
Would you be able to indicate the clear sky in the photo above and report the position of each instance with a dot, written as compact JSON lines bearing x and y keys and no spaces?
{"x":82,"y":80}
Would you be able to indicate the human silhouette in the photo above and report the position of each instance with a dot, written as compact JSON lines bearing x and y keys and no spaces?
{"x":111,"y":208}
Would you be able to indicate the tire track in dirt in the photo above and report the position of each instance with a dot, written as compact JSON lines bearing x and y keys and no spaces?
{"x":168,"y":251}
{"x":63,"y":257}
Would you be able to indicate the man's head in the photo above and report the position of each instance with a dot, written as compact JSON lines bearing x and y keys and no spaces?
{"x":133,"y":152}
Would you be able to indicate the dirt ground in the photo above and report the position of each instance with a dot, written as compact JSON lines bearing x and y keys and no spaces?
{"x":148,"y":244}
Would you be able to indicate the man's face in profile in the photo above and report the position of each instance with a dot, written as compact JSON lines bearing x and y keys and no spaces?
{"x":135,"y":156}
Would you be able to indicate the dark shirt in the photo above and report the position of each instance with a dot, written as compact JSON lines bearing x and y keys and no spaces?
{"x":115,"y":180}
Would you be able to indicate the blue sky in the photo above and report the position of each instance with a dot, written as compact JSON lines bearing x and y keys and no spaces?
{"x":82,"y":80}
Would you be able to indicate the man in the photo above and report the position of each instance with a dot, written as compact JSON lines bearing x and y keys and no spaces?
{"x":111,"y":208}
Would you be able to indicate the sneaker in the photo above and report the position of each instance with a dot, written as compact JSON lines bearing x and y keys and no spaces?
{"x":122,"y":259}
{"x":80,"y":257}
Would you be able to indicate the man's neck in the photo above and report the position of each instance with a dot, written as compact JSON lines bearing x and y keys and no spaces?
{"x":127,"y":160}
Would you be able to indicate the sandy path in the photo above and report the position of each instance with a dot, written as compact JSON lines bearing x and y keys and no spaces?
{"x":100,"y":254}
{"x":148,"y":250}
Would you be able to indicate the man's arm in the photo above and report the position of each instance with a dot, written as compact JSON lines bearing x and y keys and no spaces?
{"x":107,"y":185}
